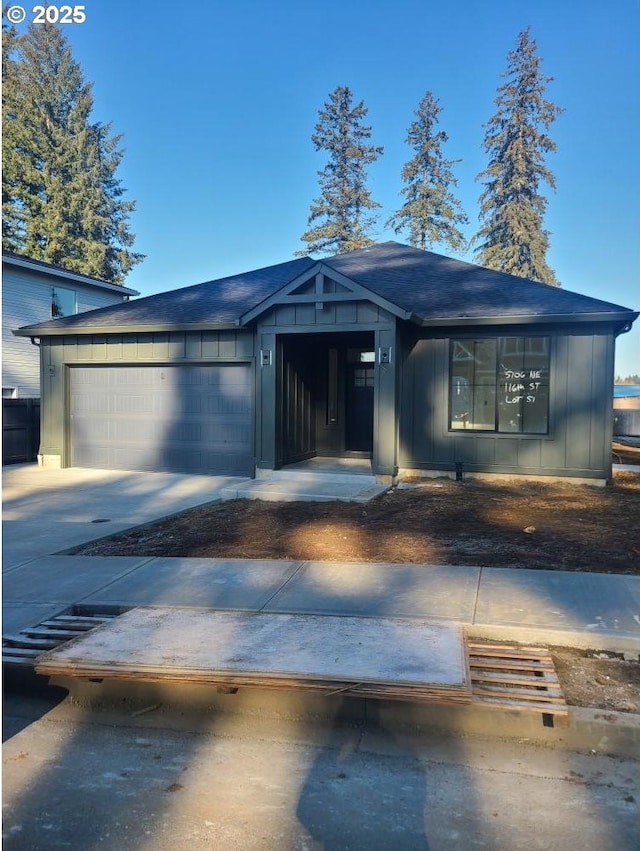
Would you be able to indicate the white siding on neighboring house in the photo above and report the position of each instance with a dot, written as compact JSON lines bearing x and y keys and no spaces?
{"x":26,"y":299}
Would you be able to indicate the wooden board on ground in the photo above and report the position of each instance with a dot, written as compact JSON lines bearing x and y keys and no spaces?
{"x":515,"y":677}
{"x":381,"y":657}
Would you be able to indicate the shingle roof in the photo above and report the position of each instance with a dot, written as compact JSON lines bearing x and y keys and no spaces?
{"x":214,"y":303}
{"x":9,"y":258}
{"x":431,"y":287}
{"x":434,"y":287}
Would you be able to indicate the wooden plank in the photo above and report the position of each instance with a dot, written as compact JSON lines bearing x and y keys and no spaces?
{"x":16,"y":660}
{"x":511,"y":664}
{"x":53,"y":633}
{"x":71,"y":622}
{"x":516,"y":650}
{"x":26,"y":641}
{"x":545,"y":708}
{"x":519,"y":693}
{"x":26,"y":652}
{"x":521,"y":678}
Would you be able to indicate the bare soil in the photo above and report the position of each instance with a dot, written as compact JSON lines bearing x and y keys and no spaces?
{"x":598,"y":680}
{"x":535,"y":525}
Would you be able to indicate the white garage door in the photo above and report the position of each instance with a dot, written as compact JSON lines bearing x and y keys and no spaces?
{"x":191,"y":419}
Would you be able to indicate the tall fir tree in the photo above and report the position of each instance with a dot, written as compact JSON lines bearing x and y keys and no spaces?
{"x":431,"y":213}
{"x":61,"y":199}
{"x":512,"y":237}
{"x":343,"y":210}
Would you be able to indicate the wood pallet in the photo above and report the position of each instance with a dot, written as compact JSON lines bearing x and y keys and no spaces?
{"x":503,"y":676}
{"x":385,"y":658}
{"x":24,"y":647}
{"x":512,"y":676}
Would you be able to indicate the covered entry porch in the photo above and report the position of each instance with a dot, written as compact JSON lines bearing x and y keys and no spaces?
{"x":332,"y":396}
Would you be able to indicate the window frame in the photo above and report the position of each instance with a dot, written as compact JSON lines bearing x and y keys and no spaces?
{"x":66,"y":291}
{"x":501,"y":343}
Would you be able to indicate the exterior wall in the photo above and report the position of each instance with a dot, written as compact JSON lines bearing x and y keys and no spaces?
{"x":580,"y":412}
{"x":26,"y":299}
{"x":58,"y":353}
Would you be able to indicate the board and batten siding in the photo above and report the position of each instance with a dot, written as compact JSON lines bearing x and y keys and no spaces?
{"x":578,"y":443}
{"x":26,"y":299}
{"x":179,"y":347}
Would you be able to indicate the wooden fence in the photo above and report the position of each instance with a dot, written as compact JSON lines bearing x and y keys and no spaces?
{"x":20,"y":430}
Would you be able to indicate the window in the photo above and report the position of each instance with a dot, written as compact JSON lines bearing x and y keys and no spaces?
{"x":63,"y":302}
{"x":500,"y":384}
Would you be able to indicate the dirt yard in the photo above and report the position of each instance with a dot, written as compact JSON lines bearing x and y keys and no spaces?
{"x":438,"y":521}
{"x":534,"y":525}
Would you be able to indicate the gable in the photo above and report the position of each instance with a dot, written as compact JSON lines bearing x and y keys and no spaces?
{"x":323,"y":287}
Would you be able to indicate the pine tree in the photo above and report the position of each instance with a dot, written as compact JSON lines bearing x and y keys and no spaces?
{"x":61,"y":200}
{"x":345,"y":202}
{"x":430,"y":213}
{"x":512,"y":237}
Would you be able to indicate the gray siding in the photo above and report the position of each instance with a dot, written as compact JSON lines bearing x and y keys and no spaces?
{"x":58,"y":353}
{"x":579,"y":440}
{"x":26,"y":299}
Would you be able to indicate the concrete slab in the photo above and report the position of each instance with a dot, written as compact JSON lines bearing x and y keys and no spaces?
{"x":307,"y":488}
{"x":26,"y":541}
{"x":47,"y":511}
{"x":414,"y":652}
{"x":559,"y":600}
{"x":205,"y":583}
{"x":419,"y":590}
{"x":65,"y":579}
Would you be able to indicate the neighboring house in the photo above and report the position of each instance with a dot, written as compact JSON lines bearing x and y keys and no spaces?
{"x":33,"y":291}
{"x":418,"y":361}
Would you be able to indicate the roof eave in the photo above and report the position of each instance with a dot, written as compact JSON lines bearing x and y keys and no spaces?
{"x":159,"y":328}
{"x":625,"y":319}
{"x":71,"y":276}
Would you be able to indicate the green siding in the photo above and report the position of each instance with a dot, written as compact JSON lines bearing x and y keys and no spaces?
{"x":579,"y":439}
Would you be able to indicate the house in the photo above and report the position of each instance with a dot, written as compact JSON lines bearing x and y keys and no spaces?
{"x":420,"y":362}
{"x":33,"y":291}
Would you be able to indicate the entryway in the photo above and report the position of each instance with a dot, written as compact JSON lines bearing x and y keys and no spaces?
{"x":325,"y":396}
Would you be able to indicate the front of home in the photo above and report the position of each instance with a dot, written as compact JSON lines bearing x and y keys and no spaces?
{"x":417,"y":361}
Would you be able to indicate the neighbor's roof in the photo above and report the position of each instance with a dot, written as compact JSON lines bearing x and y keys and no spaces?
{"x":22,"y":262}
{"x":428,"y":288}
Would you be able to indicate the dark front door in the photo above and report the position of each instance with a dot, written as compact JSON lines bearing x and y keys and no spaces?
{"x":359,"y":407}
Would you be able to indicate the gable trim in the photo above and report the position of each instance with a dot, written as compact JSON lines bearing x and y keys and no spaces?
{"x":355,"y":292}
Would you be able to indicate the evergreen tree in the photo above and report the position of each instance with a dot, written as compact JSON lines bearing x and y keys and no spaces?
{"x":512,"y":237}
{"x":345,"y":202}
{"x":61,"y":200}
{"x":430,"y":213}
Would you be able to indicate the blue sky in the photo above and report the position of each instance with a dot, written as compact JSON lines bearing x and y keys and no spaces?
{"x":216,"y":102}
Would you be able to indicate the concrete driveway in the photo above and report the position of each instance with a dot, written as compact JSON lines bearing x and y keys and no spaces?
{"x":47,"y":511}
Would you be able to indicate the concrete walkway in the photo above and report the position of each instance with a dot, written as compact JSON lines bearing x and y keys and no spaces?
{"x":48,"y":511}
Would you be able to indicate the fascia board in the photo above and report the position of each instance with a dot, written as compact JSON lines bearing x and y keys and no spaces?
{"x":160,"y":328}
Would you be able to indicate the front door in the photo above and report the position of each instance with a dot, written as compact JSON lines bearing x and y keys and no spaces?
{"x":359,"y":407}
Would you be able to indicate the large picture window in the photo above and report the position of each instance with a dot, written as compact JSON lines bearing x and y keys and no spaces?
{"x":500,"y":384}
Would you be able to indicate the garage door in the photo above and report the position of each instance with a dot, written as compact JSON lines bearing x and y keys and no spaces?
{"x":191,"y":419}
